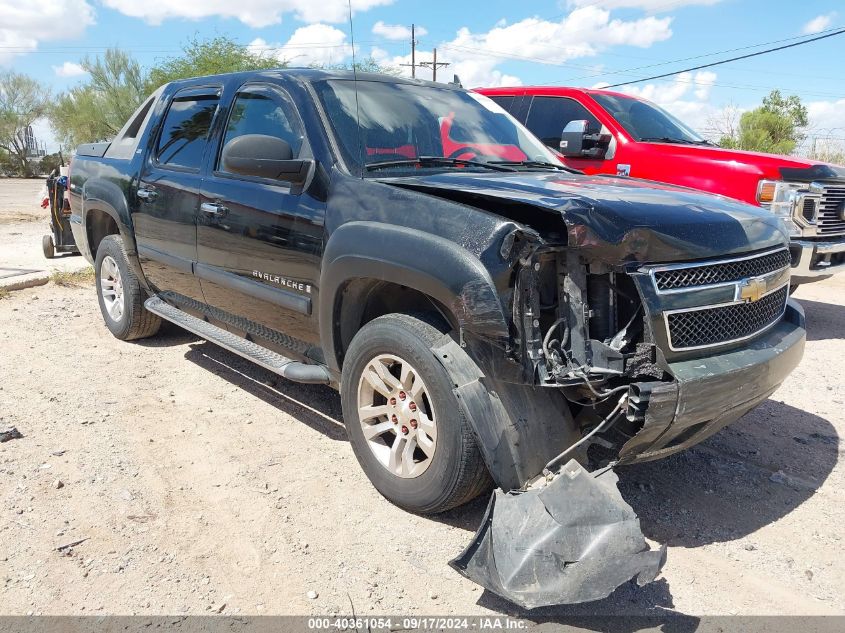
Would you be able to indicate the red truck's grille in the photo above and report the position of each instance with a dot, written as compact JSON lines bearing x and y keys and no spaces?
{"x":831,"y":220}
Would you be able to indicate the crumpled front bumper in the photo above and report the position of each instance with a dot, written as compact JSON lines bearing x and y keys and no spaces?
{"x":710,"y":393}
{"x":574,"y":539}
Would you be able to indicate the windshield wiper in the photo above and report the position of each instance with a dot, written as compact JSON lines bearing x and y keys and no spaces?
{"x":538,"y":163}
{"x":669,"y":139}
{"x":435,"y":161}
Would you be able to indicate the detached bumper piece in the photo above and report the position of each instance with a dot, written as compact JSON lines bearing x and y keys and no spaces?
{"x":573,"y":540}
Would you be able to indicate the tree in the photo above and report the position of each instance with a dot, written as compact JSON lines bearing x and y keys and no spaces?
{"x":775,"y":127}
{"x":23,"y":100}
{"x":368,"y":65}
{"x":50,"y":162}
{"x":209,"y":57}
{"x":97,"y":109}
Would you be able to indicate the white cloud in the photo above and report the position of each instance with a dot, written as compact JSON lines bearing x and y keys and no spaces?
{"x":69,"y":69}
{"x":704,"y":81}
{"x":827,"y":118}
{"x":652,"y":6}
{"x":397,"y":31}
{"x":254,"y":13}
{"x":312,"y":44}
{"x":24,"y":24}
{"x":818,"y":24}
{"x":584,"y":32}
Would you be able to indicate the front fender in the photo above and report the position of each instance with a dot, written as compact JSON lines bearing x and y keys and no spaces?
{"x":409,"y":257}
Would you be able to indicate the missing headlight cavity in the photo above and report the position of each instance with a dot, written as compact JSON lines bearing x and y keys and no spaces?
{"x":580,"y":328}
{"x":579,"y":324}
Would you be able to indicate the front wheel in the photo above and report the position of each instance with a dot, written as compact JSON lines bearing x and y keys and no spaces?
{"x":120,"y":294}
{"x":403,"y":420}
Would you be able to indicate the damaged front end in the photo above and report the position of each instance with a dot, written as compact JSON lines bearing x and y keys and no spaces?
{"x":630,"y":387}
{"x":642,"y":320}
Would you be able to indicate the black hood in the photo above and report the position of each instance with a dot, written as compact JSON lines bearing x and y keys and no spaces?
{"x":612,"y":219}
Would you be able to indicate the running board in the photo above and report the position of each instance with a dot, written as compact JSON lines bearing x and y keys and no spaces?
{"x":268,"y":359}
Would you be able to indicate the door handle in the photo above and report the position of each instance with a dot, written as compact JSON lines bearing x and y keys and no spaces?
{"x":213,"y":209}
{"x":146,"y":195}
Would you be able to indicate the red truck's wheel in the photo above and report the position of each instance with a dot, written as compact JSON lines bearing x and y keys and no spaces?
{"x":403,"y":420}
{"x":120,"y":295}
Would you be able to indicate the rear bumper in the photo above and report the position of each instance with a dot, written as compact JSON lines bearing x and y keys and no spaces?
{"x":710,"y":393}
{"x":816,"y":260}
{"x":80,"y":237}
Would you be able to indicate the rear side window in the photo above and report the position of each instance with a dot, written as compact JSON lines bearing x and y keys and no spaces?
{"x":184,"y":134}
{"x":549,"y":115}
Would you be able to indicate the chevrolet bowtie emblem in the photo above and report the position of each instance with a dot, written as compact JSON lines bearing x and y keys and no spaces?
{"x":751,"y":290}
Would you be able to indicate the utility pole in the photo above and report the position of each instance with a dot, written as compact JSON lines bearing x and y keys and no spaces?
{"x":434,"y":65}
{"x":413,"y":63}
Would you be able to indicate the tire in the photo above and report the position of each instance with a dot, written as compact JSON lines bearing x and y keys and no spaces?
{"x":792,"y":289}
{"x":120,"y":295}
{"x":48,"y":247}
{"x":452,"y":469}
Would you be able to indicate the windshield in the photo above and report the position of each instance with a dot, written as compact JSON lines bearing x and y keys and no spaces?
{"x":400,"y":123}
{"x":645,"y":121}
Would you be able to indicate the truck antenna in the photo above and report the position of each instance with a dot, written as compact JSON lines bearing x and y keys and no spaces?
{"x":355,"y":82}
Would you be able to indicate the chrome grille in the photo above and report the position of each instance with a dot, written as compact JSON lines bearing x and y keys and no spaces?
{"x":830,"y":220}
{"x":712,"y":273}
{"x":716,"y":325}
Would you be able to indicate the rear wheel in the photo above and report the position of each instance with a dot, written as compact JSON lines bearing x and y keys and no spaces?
{"x":403,"y":420}
{"x":120,"y":294}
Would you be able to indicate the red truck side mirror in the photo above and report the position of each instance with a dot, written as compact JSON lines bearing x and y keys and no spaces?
{"x":577,"y":142}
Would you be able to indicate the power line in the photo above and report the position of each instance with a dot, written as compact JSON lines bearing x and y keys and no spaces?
{"x":505,"y":55}
{"x":434,"y":65}
{"x":732,"y":59}
{"x":702,"y":55}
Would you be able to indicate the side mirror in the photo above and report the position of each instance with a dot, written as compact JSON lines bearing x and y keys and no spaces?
{"x":263,"y":156}
{"x":577,"y":142}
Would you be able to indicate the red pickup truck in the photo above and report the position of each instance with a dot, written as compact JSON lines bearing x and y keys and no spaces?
{"x":603,"y":132}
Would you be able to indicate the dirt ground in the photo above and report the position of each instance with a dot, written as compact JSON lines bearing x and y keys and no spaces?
{"x":200,"y":483}
{"x":22,"y":224}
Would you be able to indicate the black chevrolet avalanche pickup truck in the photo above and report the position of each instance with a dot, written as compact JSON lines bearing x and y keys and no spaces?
{"x":488,"y":315}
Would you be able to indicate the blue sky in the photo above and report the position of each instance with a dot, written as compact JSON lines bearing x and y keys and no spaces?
{"x":568,"y":42}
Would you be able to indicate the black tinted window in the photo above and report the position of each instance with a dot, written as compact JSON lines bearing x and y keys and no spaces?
{"x":645,"y":121}
{"x":505,"y":101}
{"x":185,"y":131}
{"x":400,"y":122}
{"x":260,"y":113}
{"x":549,"y":115}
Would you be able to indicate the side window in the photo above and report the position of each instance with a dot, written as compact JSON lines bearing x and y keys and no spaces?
{"x":505,"y":101}
{"x":516,"y":106}
{"x":260,"y":112}
{"x":184,"y":134}
{"x":549,"y":115}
